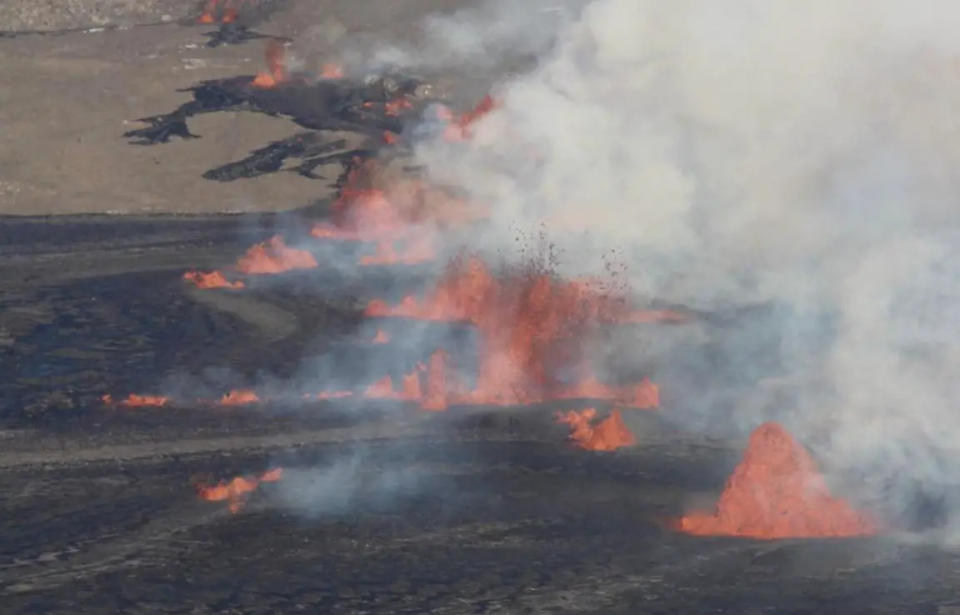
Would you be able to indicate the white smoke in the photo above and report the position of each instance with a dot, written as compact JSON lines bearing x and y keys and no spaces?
{"x":751,"y":152}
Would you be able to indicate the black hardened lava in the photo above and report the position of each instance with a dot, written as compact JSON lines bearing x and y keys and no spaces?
{"x":329,"y":104}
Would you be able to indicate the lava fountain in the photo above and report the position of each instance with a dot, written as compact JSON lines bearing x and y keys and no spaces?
{"x":777,"y":492}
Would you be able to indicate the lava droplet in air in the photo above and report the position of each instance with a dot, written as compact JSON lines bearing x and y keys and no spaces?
{"x":274,"y":256}
{"x":777,"y":492}
{"x":607,"y":435}
{"x":236,"y":490}
{"x":213,"y":279}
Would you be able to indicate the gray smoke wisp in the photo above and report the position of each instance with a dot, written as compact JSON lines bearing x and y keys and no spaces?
{"x":347,"y":484}
{"x":795,"y":155}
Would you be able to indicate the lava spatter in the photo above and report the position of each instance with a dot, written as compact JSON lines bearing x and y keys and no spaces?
{"x":587,"y":433}
{"x":274,"y":256}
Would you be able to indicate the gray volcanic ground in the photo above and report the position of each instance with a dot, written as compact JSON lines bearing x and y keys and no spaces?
{"x":382,"y":508}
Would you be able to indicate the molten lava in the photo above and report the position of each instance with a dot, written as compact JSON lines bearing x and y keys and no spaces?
{"x":436,"y":397}
{"x":777,"y":492}
{"x":374,"y":207}
{"x":410,"y":390}
{"x":274,"y":256}
{"x":239,"y":397}
{"x":138,"y":401}
{"x":236,"y":490}
{"x":213,"y":279}
{"x":329,"y":70}
{"x":458,"y":129}
{"x":523,"y":319}
{"x":276,"y":66}
{"x":607,"y":435}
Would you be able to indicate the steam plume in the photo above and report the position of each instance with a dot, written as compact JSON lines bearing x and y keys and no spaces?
{"x":800,"y":156}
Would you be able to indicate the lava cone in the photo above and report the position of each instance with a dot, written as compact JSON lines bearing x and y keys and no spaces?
{"x":777,"y":492}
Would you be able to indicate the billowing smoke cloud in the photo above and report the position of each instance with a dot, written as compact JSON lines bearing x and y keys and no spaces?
{"x":800,"y":156}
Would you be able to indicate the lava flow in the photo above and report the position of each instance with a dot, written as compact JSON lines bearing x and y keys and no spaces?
{"x":239,"y":397}
{"x":607,"y":435}
{"x":138,"y":401}
{"x":274,"y":256}
{"x":235,"y":491}
{"x":276,"y":67}
{"x":410,"y":390}
{"x":522,"y":320}
{"x":777,"y":492}
{"x":213,"y":279}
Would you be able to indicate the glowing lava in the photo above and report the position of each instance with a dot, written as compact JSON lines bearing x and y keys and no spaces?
{"x":523,"y":320}
{"x":329,"y":70}
{"x":607,"y":435}
{"x":213,"y":279}
{"x":777,"y":492}
{"x":138,"y":401}
{"x":375,"y":207}
{"x":436,"y":398}
{"x":276,"y":67}
{"x":458,"y":129}
{"x":410,"y":389}
{"x":236,"y":490}
{"x":274,"y":256}
{"x":239,"y":397}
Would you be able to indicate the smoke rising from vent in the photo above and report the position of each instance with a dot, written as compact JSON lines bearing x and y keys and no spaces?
{"x":800,"y":157}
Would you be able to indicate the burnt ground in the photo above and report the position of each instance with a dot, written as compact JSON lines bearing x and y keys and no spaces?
{"x":383,"y":509}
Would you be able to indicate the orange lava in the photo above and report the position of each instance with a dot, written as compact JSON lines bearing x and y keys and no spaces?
{"x":138,"y":401}
{"x":236,"y":490}
{"x":239,"y":397}
{"x":397,"y":106}
{"x":213,"y":279}
{"x":210,"y":10}
{"x":522,"y":319}
{"x":276,"y":66}
{"x":607,"y":435}
{"x":436,"y":398}
{"x":374,"y":207}
{"x":330,"y":70}
{"x":274,"y":256}
{"x":382,"y":337}
{"x":209,"y":13}
{"x":777,"y":492}
{"x":459,"y":129}
{"x":410,"y":390}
